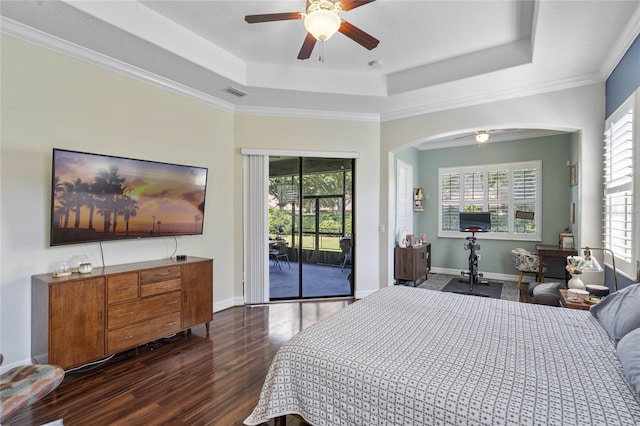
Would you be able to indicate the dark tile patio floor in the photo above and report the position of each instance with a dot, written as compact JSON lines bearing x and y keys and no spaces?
{"x":317,"y":280}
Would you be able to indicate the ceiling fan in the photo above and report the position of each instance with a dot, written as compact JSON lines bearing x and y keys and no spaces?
{"x":482,"y":136}
{"x":322,"y":20}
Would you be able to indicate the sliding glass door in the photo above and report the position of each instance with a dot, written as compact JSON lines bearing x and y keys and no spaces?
{"x":310,"y":227}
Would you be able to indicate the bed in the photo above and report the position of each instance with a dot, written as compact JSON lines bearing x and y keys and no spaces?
{"x":410,"y":356}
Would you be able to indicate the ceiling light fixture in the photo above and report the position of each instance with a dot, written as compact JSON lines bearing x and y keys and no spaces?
{"x":322,"y":20}
{"x":482,"y":136}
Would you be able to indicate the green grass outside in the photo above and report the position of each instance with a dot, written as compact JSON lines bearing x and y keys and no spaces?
{"x":327,"y":242}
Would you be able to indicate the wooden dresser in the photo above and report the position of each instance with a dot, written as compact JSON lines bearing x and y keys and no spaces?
{"x":85,"y":317}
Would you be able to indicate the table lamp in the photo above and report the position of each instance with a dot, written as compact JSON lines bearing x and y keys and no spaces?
{"x":591,"y":264}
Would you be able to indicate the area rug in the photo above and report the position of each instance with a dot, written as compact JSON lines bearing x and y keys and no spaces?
{"x":438,"y":281}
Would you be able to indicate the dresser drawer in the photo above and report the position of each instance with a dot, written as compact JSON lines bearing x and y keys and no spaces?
{"x":130,"y":313}
{"x":135,"y":335}
{"x":159,"y":274}
{"x":159,"y":287}
{"x":123,"y":287}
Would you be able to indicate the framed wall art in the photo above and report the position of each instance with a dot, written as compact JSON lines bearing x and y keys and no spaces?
{"x":566,"y":242}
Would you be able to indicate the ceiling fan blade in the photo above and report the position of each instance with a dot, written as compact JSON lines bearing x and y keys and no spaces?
{"x":464,"y":136}
{"x":357,"y":35}
{"x":307,"y":47}
{"x":352,"y":4}
{"x":269,"y":17}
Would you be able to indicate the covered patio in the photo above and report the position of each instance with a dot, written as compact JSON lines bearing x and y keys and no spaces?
{"x":310,"y":226}
{"x":319,"y":280}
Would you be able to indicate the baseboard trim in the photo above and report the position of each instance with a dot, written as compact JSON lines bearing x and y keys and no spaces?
{"x":488,"y":275}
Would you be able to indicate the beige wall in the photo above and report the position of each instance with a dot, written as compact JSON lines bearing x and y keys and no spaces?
{"x":52,"y":100}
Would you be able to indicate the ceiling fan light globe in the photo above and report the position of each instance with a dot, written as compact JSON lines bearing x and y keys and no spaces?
{"x":482,"y":136}
{"x":322,"y":24}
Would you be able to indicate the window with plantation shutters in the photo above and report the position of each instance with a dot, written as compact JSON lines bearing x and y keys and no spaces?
{"x":618,"y":184}
{"x":525,"y":196}
{"x":510,"y":192}
{"x":498,"y":197}
{"x":404,"y":197}
{"x":449,"y":201}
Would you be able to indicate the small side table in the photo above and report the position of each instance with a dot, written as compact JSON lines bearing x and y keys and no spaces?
{"x":412,"y":263}
{"x":566,"y":303}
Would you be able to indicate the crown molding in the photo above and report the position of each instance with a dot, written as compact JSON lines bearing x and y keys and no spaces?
{"x":495,"y":96}
{"x":470,"y":140}
{"x":38,"y":37}
{"x":627,"y":37}
{"x":24,"y":32}
{"x":300,"y":113}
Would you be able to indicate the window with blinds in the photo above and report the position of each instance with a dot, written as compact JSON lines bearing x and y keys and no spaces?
{"x":618,"y":185}
{"x":510,"y":192}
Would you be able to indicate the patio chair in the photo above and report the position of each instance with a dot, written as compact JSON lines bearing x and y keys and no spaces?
{"x":345,"y":246}
{"x":278,"y":251}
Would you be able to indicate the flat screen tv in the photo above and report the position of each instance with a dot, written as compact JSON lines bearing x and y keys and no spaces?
{"x":475,"y":222}
{"x":98,"y":197}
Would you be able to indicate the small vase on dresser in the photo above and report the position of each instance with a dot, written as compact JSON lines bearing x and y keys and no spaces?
{"x":576,"y":282}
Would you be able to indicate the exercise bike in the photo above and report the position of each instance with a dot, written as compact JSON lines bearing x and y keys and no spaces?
{"x":473,"y":222}
{"x":474,"y":276}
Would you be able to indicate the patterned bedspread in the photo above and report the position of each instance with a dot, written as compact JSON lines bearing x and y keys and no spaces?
{"x":408,"y":356}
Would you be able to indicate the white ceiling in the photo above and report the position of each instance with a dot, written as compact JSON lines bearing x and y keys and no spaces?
{"x":434,"y":55}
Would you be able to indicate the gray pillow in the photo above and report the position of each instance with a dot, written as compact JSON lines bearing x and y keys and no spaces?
{"x":629,"y":354}
{"x":619,"y":313}
{"x":548,"y":288}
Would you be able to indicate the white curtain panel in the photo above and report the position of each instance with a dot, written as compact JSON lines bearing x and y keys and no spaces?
{"x":256,"y":229}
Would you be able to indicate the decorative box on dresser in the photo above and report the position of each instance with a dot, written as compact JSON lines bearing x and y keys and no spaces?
{"x":412,"y":263}
{"x":85,"y":317}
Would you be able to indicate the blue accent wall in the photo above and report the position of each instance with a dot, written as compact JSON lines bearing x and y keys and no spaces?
{"x":623,"y":81}
{"x":625,"y":78}
{"x":622,"y":280}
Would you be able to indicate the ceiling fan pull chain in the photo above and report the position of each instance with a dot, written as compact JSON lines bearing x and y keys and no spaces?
{"x":321,"y":57}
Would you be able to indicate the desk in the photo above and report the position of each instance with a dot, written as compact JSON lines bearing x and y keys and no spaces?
{"x":566,"y":303}
{"x":553,"y":252}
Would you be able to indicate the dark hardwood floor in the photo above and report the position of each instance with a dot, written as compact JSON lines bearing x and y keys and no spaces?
{"x":183,"y":380}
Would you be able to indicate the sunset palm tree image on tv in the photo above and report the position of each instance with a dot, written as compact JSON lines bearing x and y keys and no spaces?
{"x":101,"y":197}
